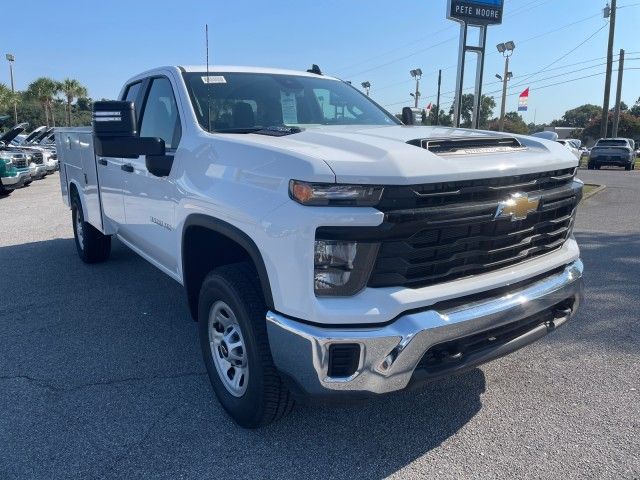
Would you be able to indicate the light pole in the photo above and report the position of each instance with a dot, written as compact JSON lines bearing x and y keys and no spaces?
{"x":11,"y":58}
{"x":366,"y":86}
{"x":506,"y":49}
{"x":417,"y":74}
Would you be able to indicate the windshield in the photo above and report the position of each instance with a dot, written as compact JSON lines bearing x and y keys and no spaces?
{"x":244,"y":102}
{"x":613,"y":143}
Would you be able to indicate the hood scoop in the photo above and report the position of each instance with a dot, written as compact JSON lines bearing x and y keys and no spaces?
{"x":469,"y":145}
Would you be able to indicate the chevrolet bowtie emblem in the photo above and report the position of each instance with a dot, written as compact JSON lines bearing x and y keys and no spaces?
{"x":517,"y":207}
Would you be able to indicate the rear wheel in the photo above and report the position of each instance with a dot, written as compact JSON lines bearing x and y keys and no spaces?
{"x":92,"y":245}
{"x":235,"y":347}
{"x":628,"y":167}
{"x":3,"y":191}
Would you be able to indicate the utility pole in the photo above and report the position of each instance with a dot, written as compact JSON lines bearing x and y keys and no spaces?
{"x":417,"y":74}
{"x":438,"y":98}
{"x":616,"y":115}
{"x":611,"y":12}
{"x":11,"y":58}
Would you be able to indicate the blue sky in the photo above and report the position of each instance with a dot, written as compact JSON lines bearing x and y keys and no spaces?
{"x":102,"y":43}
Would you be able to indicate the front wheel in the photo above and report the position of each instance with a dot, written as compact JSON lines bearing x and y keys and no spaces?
{"x":91,"y":244}
{"x":235,"y":347}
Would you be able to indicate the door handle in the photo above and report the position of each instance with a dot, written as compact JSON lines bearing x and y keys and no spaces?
{"x":102,"y":161}
{"x":127,"y":168}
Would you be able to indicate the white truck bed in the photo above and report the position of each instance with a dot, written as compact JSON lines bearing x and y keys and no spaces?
{"x":78,"y":166}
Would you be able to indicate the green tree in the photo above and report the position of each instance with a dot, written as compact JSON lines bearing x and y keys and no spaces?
{"x":629,"y":127}
{"x":44,"y":90}
{"x":444,"y":119}
{"x":72,"y":89}
{"x":466,"y":111}
{"x":513,"y":123}
{"x":635,"y":110}
{"x":579,"y":117}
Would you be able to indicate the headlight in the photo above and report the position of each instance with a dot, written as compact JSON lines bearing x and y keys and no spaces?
{"x":342,"y":268}
{"x":331,"y":194}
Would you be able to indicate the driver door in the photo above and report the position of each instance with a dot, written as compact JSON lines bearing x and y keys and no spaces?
{"x":150,"y":201}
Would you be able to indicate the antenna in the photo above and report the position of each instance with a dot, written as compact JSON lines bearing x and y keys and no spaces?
{"x":206,"y":34}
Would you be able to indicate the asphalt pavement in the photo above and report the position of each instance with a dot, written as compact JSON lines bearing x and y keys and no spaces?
{"x":101,"y":375}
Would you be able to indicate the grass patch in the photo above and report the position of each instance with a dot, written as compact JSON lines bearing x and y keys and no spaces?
{"x":589,"y":188}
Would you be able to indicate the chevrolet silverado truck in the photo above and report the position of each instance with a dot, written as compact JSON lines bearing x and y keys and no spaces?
{"x":619,"y":152}
{"x":325,"y":248}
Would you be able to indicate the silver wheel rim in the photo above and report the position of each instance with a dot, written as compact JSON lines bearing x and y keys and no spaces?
{"x":79,"y":231}
{"x":228,"y":349}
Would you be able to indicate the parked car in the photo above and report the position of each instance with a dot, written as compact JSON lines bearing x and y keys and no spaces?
{"x":325,"y":249}
{"x":571,"y":147}
{"x":10,"y":177}
{"x":613,"y":151}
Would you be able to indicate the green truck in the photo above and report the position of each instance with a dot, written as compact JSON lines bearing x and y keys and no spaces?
{"x":12,"y":175}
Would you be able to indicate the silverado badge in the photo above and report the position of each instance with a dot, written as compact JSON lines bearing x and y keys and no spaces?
{"x":517,"y":207}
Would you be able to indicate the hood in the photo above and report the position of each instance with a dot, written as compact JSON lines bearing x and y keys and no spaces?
{"x":382,"y":154}
{"x":35,"y":133}
{"x":13,"y":133}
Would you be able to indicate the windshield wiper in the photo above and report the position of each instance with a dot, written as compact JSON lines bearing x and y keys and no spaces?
{"x":272,"y":131}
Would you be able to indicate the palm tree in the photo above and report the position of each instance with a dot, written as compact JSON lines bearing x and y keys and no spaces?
{"x":43,"y":90}
{"x":72,"y":89}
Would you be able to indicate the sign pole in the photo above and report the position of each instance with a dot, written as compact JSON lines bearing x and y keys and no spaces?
{"x":477,"y":108}
{"x":457,"y":102}
{"x":475,"y":13}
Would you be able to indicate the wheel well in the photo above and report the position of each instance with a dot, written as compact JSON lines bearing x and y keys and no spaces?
{"x":204,"y":249}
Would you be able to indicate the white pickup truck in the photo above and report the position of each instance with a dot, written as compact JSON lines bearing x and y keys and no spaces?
{"x":325,"y":248}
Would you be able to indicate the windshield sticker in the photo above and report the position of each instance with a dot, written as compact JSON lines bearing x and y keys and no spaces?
{"x":289,"y":108}
{"x":213,"y":79}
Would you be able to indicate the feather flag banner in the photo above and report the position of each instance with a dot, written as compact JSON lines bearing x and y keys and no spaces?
{"x":523,"y":103}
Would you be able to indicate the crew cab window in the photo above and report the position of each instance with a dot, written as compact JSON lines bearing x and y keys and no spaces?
{"x":160,"y":115}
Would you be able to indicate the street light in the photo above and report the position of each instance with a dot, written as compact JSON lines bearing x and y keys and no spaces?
{"x":366,"y":86}
{"x":417,"y":74}
{"x":11,"y":58}
{"x":506,"y":49}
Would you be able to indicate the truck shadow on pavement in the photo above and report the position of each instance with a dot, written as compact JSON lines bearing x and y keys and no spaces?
{"x":101,"y":376}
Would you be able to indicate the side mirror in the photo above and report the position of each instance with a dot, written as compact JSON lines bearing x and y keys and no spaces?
{"x":407,"y":116}
{"x":116,"y":135}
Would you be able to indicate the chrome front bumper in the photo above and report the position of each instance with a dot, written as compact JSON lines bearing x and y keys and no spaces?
{"x":389,"y":354}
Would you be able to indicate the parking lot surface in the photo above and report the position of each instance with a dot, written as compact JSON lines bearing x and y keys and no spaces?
{"x":101,"y":375}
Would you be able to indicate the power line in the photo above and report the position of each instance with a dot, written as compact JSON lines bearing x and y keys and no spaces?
{"x":562,"y":57}
{"x":469,"y":61}
{"x":522,"y":9}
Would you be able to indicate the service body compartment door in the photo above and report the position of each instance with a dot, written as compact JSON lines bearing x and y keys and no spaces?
{"x":78,"y":167}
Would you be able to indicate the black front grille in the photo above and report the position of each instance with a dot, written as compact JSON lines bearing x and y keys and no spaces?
{"x":20,"y":163}
{"x":38,"y":158}
{"x":448,"y":231}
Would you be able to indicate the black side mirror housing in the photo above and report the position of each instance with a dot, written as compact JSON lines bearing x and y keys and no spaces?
{"x":159,"y":165}
{"x":407,"y":116}
{"x":115,"y":132}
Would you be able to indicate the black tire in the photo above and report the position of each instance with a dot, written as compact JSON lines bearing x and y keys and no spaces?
{"x":265,"y":398}
{"x":590,"y":166}
{"x":628,"y":167}
{"x":92,"y":245}
{"x":4,"y":192}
